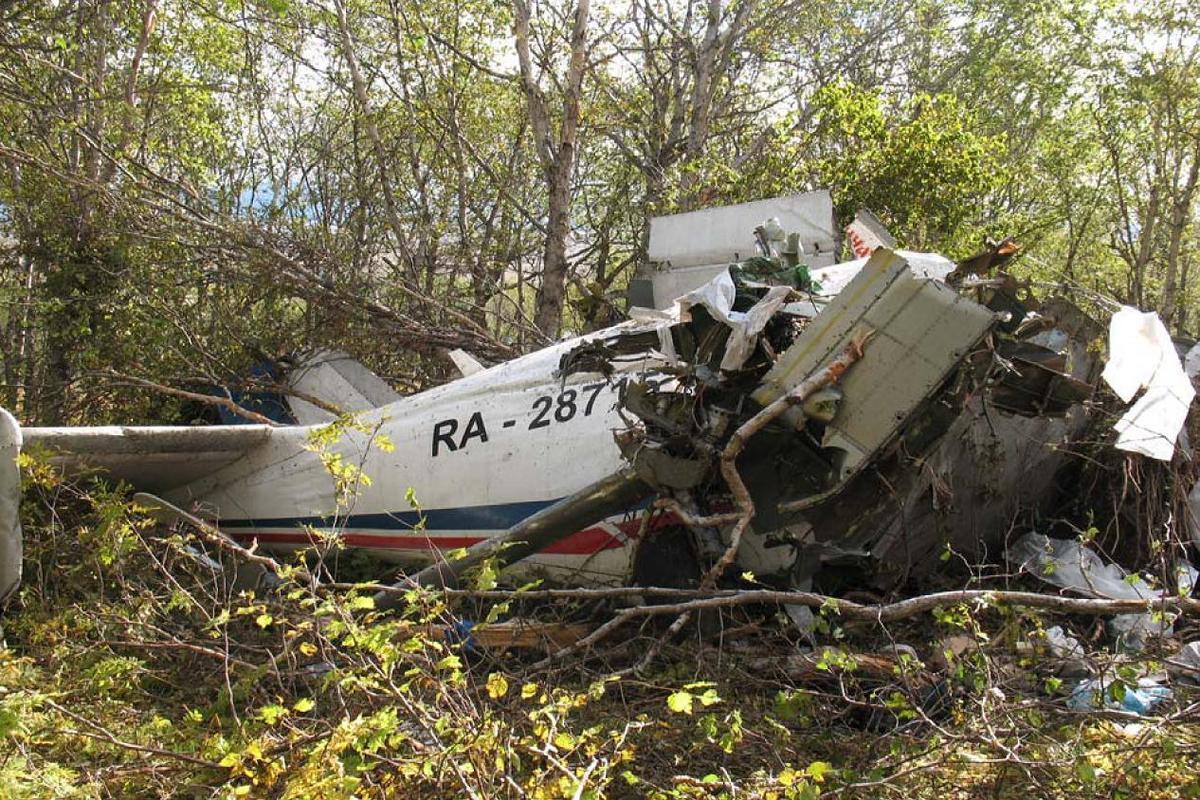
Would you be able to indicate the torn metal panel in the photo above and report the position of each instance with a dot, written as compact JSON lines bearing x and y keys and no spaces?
{"x":963,"y":468}
{"x":466,"y":363}
{"x":866,"y":234}
{"x":923,"y":329}
{"x":11,"y":544}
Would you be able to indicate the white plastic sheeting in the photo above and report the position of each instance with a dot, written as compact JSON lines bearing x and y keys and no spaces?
{"x":1142,"y":356}
{"x":1066,"y":563}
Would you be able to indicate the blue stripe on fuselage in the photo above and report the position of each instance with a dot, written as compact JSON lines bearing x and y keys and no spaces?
{"x":496,"y":517}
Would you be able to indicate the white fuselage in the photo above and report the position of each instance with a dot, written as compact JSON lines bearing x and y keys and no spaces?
{"x":444,"y":469}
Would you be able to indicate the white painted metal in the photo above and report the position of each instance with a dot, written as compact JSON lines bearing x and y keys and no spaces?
{"x":687,"y":250}
{"x":337,"y":379}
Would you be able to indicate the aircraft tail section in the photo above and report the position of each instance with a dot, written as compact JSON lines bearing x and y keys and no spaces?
{"x":337,"y":381}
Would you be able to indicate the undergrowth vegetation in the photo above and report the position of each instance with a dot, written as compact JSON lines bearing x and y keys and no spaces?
{"x":141,"y":664}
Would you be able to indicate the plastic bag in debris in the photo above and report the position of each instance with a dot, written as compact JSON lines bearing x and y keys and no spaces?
{"x":1068,"y":651}
{"x":717,"y":296}
{"x":1185,"y":665}
{"x":1141,"y":355}
{"x":1193,"y":505}
{"x":1097,"y":693}
{"x":1069,"y":565}
{"x":1061,"y":645}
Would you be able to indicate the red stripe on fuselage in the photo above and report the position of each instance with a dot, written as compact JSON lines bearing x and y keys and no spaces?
{"x":585,"y":542}
{"x":581,"y":543}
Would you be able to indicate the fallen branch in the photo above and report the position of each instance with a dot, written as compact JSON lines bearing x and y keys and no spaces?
{"x":879,"y":614}
{"x":886,"y":612}
{"x":167,"y":513}
{"x":851,"y":353}
{"x":609,"y":495}
{"x":223,"y":402}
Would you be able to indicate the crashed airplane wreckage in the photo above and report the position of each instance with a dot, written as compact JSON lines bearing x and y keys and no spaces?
{"x":782,"y":418}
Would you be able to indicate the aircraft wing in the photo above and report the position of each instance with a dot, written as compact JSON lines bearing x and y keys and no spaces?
{"x":155,"y":458}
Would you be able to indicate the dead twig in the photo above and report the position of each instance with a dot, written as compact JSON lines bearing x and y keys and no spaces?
{"x":167,"y":513}
{"x":737,"y":442}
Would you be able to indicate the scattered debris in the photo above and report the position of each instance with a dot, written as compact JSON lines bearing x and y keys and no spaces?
{"x":1115,"y":695}
{"x":1068,"y":651}
{"x":1185,"y":665}
{"x":1070,"y":565}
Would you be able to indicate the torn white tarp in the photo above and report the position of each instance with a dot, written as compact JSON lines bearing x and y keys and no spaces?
{"x":1066,"y":563}
{"x":1141,"y":355}
{"x":717,"y":296}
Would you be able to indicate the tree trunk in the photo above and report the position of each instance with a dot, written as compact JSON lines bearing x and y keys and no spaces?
{"x":1181,"y":211}
{"x":557,"y":158}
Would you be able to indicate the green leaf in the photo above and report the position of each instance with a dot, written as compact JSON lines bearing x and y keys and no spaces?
{"x":272,"y":714}
{"x":9,"y":722}
{"x":362,"y":603}
{"x":818,"y":769}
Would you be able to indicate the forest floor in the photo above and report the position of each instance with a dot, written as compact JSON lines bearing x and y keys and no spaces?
{"x":134,"y":669}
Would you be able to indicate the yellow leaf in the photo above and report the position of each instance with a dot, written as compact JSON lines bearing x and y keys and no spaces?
{"x":680,"y":702}
{"x":497,"y":686}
